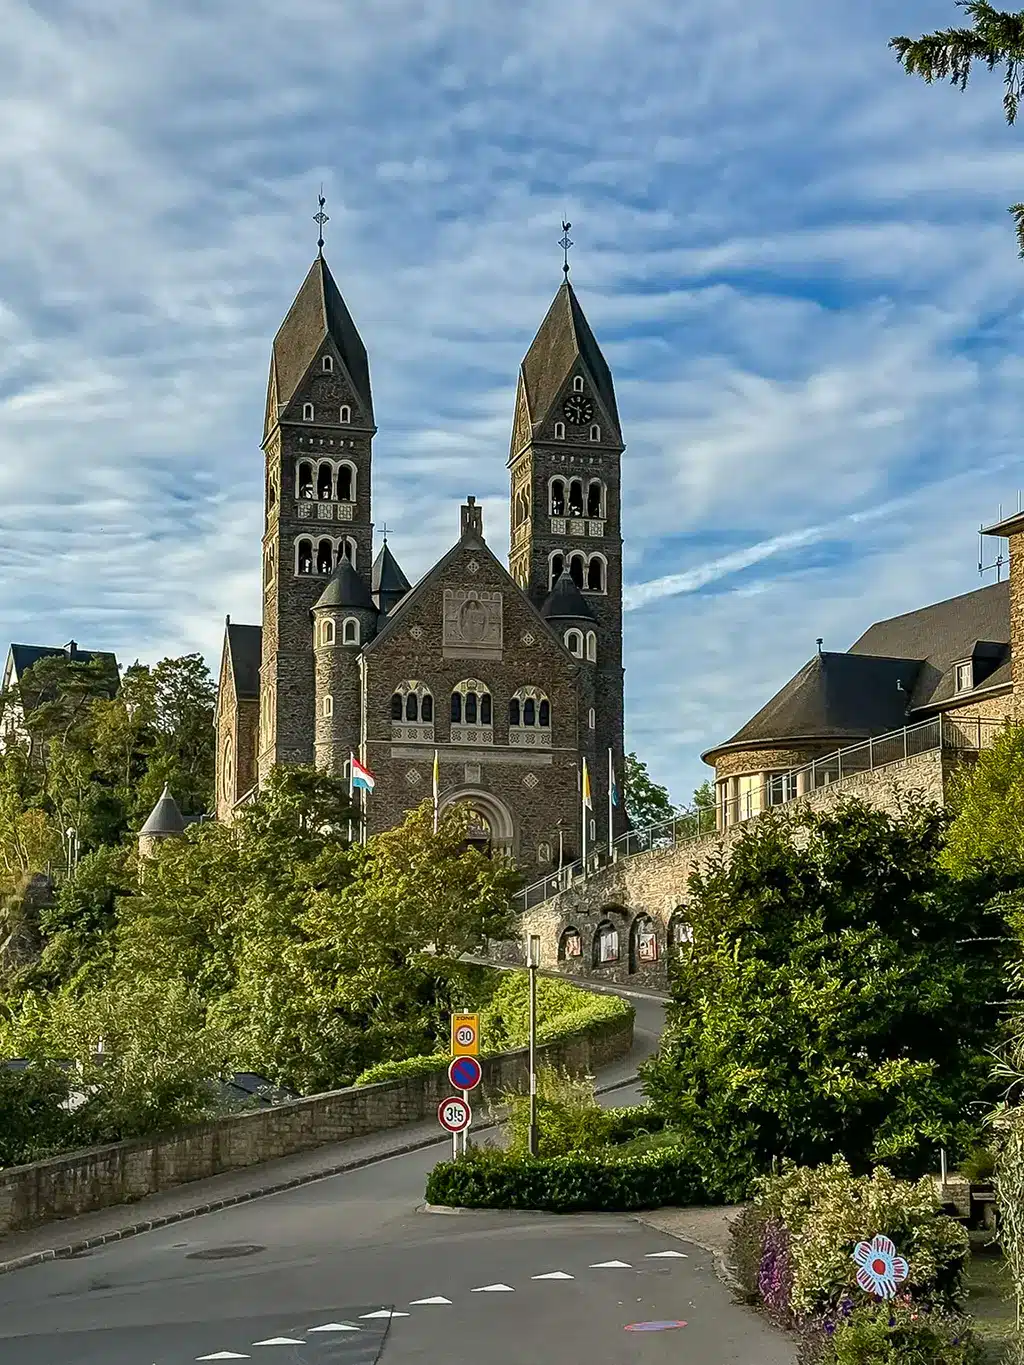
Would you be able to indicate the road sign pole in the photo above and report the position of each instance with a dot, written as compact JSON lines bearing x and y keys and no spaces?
{"x":533,"y":962}
{"x":465,"y":1131}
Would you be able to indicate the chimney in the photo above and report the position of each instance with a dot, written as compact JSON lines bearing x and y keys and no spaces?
{"x":472,"y":519}
{"x":71,"y":649}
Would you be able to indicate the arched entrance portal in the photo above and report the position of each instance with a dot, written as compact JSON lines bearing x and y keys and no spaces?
{"x":492,"y":829}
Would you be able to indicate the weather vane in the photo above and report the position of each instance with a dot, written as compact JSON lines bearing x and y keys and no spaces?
{"x":321,"y":218}
{"x":565,"y":243}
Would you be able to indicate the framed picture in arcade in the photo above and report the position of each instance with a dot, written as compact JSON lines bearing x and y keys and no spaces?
{"x":647,"y":946}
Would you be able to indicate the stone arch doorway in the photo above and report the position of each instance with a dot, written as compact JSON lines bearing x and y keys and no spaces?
{"x":493,"y":828}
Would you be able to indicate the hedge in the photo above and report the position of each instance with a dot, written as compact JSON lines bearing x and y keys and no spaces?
{"x":594,"y":1011}
{"x":578,"y":1183}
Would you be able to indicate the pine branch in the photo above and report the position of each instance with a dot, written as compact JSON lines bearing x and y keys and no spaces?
{"x":997,"y":37}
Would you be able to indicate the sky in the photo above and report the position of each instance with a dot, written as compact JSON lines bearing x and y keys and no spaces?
{"x":797,"y":259}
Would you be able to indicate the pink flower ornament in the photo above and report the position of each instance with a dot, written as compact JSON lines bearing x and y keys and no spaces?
{"x":879,"y":1269}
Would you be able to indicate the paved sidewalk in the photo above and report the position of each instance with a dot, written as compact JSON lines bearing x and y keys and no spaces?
{"x":706,"y":1227}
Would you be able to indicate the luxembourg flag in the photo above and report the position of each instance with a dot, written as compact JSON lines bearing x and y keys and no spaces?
{"x":362,"y":778}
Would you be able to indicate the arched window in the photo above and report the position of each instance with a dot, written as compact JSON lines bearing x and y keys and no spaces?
{"x":347,"y":550}
{"x":412,"y":707}
{"x":595,"y":432}
{"x":574,"y":643}
{"x":591,"y":718}
{"x":324,"y":481}
{"x":327,"y":632}
{"x":346,"y":483}
{"x":559,"y":431}
{"x":471,"y":712}
{"x":513,"y":711}
{"x":576,"y":569}
{"x":397,"y":705}
{"x":345,"y":415}
{"x":643,"y":943}
{"x":577,"y":384}
{"x":304,"y":557}
{"x":427,"y":708}
{"x":227,"y":785}
{"x":350,"y":631}
{"x":606,"y":944}
{"x":595,"y":574}
{"x":592,"y":646}
{"x":305,"y":484}
{"x":324,"y":557}
{"x":557,"y":498}
{"x":328,"y":364}
{"x":595,"y":498}
{"x":307,"y":412}
{"x":576,"y":498}
{"x":544,"y":714}
{"x":680,"y":931}
{"x":570,"y":945}
{"x":268,"y":566}
{"x":327,"y":706}
{"x":529,"y":711}
{"x":557,"y":565}
{"x":529,"y":718}
{"x":271,"y":494}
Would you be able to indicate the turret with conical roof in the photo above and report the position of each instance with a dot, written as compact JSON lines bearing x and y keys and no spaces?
{"x":387,"y":581}
{"x":165,"y":822}
{"x":344,"y":619}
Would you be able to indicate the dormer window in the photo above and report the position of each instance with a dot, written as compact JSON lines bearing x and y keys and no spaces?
{"x":577,"y":384}
{"x":328,"y":364}
{"x":964,"y":676}
{"x":307,"y":412}
{"x":559,"y":431}
{"x":345,"y":416}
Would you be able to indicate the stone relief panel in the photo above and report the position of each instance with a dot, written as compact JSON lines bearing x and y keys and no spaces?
{"x":472,"y":626}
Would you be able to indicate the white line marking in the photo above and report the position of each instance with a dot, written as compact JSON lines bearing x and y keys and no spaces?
{"x":663,"y":1255}
{"x":611,"y":1265}
{"x":224,"y":1355}
{"x":336,"y":1327}
{"x":494,"y":1289}
{"x":383,"y":1313}
{"x":280,"y":1341}
{"x":438,"y":1298}
{"x":553,"y":1275}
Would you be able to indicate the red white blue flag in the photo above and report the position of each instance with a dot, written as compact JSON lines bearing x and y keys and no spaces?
{"x":362,"y":778}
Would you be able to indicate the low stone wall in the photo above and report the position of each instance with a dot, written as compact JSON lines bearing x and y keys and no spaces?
{"x":126,"y":1171}
{"x":647,"y":892}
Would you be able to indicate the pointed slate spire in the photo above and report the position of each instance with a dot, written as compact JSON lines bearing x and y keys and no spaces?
{"x":165,"y":819}
{"x":563,"y":342}
{"x":317,"y":313}
{"x":387,"y":581}
{"x":565,"y":602}
{"x":345,"y":589}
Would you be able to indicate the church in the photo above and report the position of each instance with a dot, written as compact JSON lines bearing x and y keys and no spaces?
{"x":511,"y":675}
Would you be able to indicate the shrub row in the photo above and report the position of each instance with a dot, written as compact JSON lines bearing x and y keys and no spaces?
{"x":588,"y":1012}
{"x":580,"y":1182}
{"x":793,"y":1252}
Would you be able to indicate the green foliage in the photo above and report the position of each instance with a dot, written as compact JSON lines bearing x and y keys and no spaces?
{"x":34,"y":1119}
{"x":404,"y":1069}
{"x":986,"y":836}
{"x":979,"y":1166}
{"x":899,"y":1333}
{"x":78,"y":928}
{"x":995,"y":38}
{"x":646,"y":802}
{"x":569,"y":1118}
{"x":825,"y":1005}
{"x":578,"y":1183}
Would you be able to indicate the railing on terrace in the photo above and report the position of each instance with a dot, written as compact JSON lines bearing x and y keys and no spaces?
{"x":779,"y":789}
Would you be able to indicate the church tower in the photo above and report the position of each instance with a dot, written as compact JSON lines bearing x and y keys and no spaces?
{"x":317,"y":441}
{"x":564,"y":467}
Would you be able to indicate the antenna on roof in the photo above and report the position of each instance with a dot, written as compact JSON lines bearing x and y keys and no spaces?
{"x":1001,"y":558}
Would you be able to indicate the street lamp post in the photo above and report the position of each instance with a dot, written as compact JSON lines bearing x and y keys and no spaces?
{"x":533,"y":962}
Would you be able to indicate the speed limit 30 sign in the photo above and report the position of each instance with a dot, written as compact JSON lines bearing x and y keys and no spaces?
{"x":454,"y":1115}
{"x":465,"y":1035}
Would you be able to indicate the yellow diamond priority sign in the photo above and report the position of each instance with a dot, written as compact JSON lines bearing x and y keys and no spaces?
{"x":465,"y":1035}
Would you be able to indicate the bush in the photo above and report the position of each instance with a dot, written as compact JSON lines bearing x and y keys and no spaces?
{"x":569,"y":1118}
{"x":577,"y":1183}
{"x":980,"y":1166}
{"x":400,"y":1071}
{"x":899,"y":1332}
{"x":35,"y":1122}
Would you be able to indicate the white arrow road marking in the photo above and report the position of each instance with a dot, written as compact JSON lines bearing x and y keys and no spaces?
{"x":224,"y":1355}
{"x":383,"y":1313}
{"x":336,"y":1327}
{"x":663,"y":1255}
{"x":280,"y":1341}
{"x":438,"y":1298}
{"x":553,"y":1275}
{"x":494,"y":1289}
{"x":611,"y":1265}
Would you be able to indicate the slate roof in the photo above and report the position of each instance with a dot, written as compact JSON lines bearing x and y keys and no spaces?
{"x":345,"y":589}
{"x":564,"y":337}
{"x":318,"y":311}
{"x":24,"y":656}
{"x":245,"y":651}
{"x":165,"y":818}
{"x":386,"y":576}
{"x":565,"y":602}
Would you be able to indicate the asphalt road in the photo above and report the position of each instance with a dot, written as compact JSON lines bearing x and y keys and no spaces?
{"x":330,"y":1274}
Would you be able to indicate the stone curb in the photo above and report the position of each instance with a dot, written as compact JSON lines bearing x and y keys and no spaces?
{"x":723,"y":1266}
{"x":247,"y":1196}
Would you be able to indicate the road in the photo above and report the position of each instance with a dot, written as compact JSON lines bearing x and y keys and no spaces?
{"x":336,"y":1273}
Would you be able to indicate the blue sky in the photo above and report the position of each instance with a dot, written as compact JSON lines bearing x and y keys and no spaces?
{"x":797,"y":259}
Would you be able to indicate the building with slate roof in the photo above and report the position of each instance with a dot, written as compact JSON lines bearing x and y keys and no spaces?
{"x":952,"y":658}
{"x":21,"y":658}
{"x":511,"y":673}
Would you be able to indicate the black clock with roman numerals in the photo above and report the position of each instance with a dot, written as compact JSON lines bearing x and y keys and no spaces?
{"x":578,"y":409}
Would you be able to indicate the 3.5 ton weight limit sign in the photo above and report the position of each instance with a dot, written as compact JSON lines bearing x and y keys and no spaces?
{"x":454,"y":1115}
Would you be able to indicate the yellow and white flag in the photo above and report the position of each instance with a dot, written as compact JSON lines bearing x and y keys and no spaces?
{"x":587,"y":800}
{"x":436,"y":788}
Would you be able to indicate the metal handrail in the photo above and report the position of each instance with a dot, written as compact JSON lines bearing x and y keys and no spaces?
{"x":781,"y":788}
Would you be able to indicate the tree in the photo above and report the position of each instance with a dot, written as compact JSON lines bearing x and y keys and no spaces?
{"x":826,"y":1004}
{"x":987,"y":831}
{"x":647,"y":803}
{"x":995,"y":38}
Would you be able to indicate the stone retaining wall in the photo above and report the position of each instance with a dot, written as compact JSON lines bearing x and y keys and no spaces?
{"x":126,"y":1171}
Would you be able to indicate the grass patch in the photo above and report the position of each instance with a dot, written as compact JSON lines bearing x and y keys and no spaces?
{"x":990,"y":1298}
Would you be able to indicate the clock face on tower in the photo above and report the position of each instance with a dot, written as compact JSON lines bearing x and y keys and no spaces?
{"x":578,"y":409}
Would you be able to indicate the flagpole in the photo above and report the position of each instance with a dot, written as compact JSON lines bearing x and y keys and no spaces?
{"x":351,"y":794}
{"x":436,"y":784}
{"x":583,"y":814}
{"x":611,"y":789}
